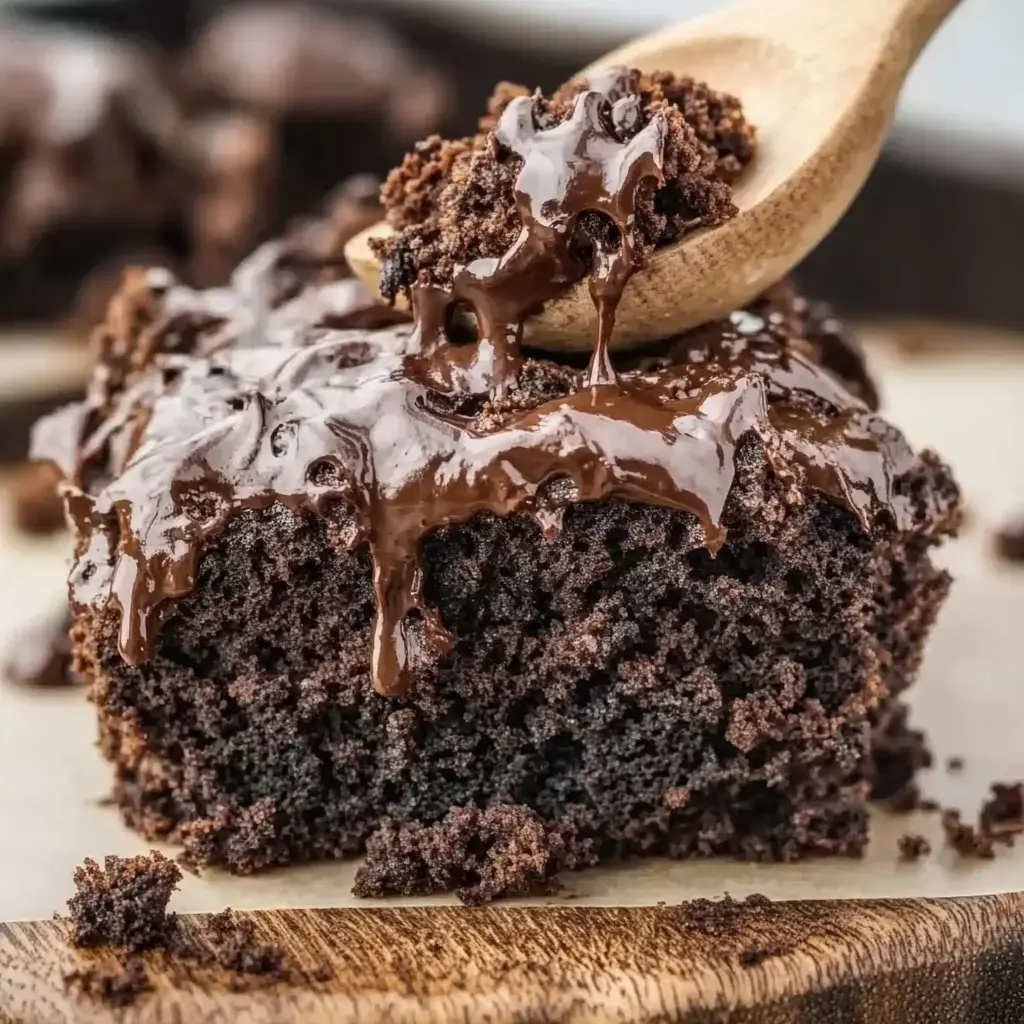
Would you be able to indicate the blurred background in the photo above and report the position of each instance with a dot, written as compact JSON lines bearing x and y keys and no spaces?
{"x":186,"y":131}
{"x":948,"y":199}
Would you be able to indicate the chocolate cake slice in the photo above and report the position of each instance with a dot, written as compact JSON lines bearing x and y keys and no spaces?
{"x":333,"y":572}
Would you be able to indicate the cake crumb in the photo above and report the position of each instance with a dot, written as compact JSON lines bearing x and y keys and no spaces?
{"x":726,"y":919}
{"x":753,"y":957}
{"x":917,"y":339}
{"x":954,"y":764}
{"x":124,"y":903}
{"x":905,"y":800}
{"x":913,"y":847}
{"x":965,"y":839}
{"x":1009,"y":540}
{"x":1002,"y":815}
{"x":482,"y":855}
{"x":235,"y":947}
{"x":115,"y":986}
{"x":37,"y":504}
{"x":228,"y":942}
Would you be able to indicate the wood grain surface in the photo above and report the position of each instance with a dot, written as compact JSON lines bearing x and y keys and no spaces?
{"x":910,"y":961}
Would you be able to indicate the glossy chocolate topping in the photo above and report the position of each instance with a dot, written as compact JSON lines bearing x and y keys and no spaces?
{"x":592,"y":162}
{"x":391,"y":433}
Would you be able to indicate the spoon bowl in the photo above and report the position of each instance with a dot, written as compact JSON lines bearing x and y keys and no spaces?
{"x":820,"y":82}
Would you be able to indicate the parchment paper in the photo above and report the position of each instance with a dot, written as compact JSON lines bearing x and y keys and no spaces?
{"x":970,"y":699}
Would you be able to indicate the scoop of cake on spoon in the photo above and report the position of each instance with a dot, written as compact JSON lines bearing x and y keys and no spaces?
{"x":820,"y":83}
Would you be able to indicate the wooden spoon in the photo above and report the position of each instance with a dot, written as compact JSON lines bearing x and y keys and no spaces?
{"x":819,"y":80}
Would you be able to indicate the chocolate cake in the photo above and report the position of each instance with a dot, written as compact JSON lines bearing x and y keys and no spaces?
{"x":88,"y":133}
{"x":114,"y":154}
{"x":335,"y":569}
{"x":340,"y":94}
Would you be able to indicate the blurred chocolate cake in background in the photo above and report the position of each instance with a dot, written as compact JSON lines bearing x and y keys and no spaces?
{"x":119,"y":149}
{"x":89,"y":136}
{"x":341,"y":93}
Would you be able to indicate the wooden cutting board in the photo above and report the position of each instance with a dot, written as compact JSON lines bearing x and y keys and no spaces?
{"x":941,"y":940}
{"x":911,"y":962}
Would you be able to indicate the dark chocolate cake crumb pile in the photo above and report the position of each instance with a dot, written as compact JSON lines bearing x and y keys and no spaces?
{"x":115,"y":985}
{"x":454,"y":201}
{"x":124,"y":903}
{"x":1009,"y":540}
{"x":229,"y":942}
{"x":235,"y":947}
{"x":1000,"y":821}
{"x":482,"y":855}
{"x":965,"y":839}
{"x":913,"y":847}
{"x":900,"y":752}
{"x":1002,"y":815}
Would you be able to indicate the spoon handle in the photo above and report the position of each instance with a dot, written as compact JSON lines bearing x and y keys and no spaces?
{"x":919,"y":20}
{"x":848,"y":31}
{"x":840,"y":35}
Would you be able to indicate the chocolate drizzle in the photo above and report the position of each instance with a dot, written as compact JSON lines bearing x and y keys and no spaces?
{"x":395,"y":432}
{"x":592,"y":162}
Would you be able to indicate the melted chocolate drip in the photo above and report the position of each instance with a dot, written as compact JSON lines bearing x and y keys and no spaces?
{"x":379,"y":429}
{"x":592,"y":162}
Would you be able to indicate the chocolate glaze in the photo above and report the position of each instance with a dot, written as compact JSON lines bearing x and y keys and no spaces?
{"x":387,"y":432}
{"x":592,"y":162}
{"x":330,"y":423}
